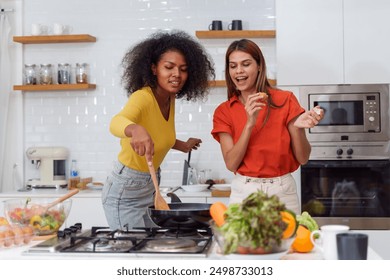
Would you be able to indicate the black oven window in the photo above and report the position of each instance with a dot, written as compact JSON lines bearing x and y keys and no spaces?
{"x":341,"y":112}
{"x":346,"y":188}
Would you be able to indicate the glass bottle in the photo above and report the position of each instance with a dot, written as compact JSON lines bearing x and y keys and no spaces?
{"x":63,"y":73}
{"x":81,"y":73}
{"x":74,"y":171}
{"x":46,"y":74}
{"x":30,"y":74}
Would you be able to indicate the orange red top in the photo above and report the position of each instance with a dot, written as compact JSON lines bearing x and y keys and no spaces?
{"x":269,"y":152}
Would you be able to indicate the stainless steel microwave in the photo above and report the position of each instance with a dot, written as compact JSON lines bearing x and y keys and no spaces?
{"x":352,"y":112}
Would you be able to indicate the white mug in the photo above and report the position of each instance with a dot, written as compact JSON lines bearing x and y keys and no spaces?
{"x":326,"y":242}
{"x":37,"y":29}
{"x":58,"y":29}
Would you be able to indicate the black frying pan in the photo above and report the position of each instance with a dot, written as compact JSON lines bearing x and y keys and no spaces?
{"x":181,"y":215}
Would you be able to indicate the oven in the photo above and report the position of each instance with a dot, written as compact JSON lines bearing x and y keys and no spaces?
{"x":136,"y":243}
{"x":347,"y":178}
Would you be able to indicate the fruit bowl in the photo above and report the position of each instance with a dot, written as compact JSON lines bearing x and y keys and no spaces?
{"x":34,"y":212}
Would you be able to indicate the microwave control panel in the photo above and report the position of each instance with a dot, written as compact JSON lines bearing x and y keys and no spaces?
{"x":371,"y":113}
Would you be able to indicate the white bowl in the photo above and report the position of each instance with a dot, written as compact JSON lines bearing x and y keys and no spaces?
{"x":195,"y":188}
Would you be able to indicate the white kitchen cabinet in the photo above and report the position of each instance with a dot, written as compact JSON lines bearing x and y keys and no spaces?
{"x":332,"y":41}
{"x":367,"y":41}
{"x":88,"y":211}
{"x":309,"y":42}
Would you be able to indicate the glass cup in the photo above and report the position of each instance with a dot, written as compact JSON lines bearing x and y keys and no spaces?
{"x":352,"y":246}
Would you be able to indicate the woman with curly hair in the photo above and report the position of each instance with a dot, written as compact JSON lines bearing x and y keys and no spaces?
{"x":164,"y":67}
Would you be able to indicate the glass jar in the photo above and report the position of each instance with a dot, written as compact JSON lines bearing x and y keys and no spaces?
{"x":63,"y":73}
{"x":30,"y":74}
{"x":81,"y":73}
{"x":46,"y":74}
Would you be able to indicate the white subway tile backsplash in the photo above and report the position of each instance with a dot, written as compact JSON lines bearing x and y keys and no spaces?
{"x":79,"y":120}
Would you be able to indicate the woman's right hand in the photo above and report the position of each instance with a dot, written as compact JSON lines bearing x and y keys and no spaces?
{"x":254,"y":103}
{"x":141,"y":142}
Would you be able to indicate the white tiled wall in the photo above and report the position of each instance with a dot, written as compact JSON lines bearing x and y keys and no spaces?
{"x":79,"y":119}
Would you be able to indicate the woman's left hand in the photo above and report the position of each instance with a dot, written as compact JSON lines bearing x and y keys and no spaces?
{"x":310,"y":118}
{"x":193,"y":144}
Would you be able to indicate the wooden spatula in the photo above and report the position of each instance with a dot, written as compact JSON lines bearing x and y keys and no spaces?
{"x":58,"y":200}
{"x":159,"y":201}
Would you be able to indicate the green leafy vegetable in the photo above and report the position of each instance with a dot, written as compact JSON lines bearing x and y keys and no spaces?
{"x":254,"y":223}
{"x":306,"y":220}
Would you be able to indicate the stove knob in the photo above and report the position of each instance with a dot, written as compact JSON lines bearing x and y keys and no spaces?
{"x":61,"y":234}
{"x":350,"y":151}
{"x":73,"y":229}
{"x":339,"y":152}
{"x":78,"y":225}
{"x":67,"y":231}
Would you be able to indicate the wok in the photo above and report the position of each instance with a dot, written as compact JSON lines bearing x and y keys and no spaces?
{"x":181,"y":215}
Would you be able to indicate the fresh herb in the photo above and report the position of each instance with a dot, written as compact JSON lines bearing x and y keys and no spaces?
{"x":254,"y":223}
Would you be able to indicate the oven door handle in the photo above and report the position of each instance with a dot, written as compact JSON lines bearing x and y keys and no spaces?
{"x":346,"y":163}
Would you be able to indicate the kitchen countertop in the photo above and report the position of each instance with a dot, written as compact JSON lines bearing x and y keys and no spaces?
{"x":97,"y":193}
{"x":16,"y":253}
{"x":377,"y":238}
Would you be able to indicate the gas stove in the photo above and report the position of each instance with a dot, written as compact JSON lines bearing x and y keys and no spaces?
{"x":138,"y":242}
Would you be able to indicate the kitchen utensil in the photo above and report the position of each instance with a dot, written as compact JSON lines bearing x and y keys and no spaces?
{"x":185,"y":169}
{"x":59,"y":200}
{"x":159,"y":201}
{"x":181,"y":215}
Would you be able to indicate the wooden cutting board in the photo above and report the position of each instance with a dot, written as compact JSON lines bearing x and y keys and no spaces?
{"x":219,"y":193}
{"x":43,"y":237}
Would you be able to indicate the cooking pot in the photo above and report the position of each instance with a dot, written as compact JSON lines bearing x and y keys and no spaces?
{"x":181,"y":215}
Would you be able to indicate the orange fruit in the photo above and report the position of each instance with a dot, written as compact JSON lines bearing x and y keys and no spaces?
{"x":302,"y":242}
{"x":289,"y":219}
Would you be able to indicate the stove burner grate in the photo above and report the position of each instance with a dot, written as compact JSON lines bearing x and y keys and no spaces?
{"x":138,"y":241}
{"x":170,"y":245}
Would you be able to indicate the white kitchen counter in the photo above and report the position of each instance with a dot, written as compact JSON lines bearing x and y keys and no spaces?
{"x":87,"y":209}
{"x":16,"y":253}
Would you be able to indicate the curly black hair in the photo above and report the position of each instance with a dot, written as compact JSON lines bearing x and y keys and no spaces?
{"x":138,"y":60}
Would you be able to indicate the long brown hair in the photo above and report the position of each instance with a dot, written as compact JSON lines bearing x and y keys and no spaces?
{"x":262,"y":83}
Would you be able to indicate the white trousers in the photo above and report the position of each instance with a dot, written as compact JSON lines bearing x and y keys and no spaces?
{"x":284,"y":187}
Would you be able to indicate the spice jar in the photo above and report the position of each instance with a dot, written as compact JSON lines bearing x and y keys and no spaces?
{"x":63,"y":73}
{"x":46,"y":74}
{"x":81,"y":73}
{"x":30,"y":74}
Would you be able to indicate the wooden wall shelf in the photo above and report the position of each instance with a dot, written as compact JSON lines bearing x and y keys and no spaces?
{"x":55,"y":87}
{"x":219,"y":34}
{"x":48,"y":39}
{"x":222,"y":83}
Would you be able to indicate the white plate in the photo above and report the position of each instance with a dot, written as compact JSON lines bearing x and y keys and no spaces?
{"x":95,"y":186}
{"x":275,"y":256}
{"x":222,"y":187}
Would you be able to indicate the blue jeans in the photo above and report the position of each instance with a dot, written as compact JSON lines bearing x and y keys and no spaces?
{"x":126,"y":195}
